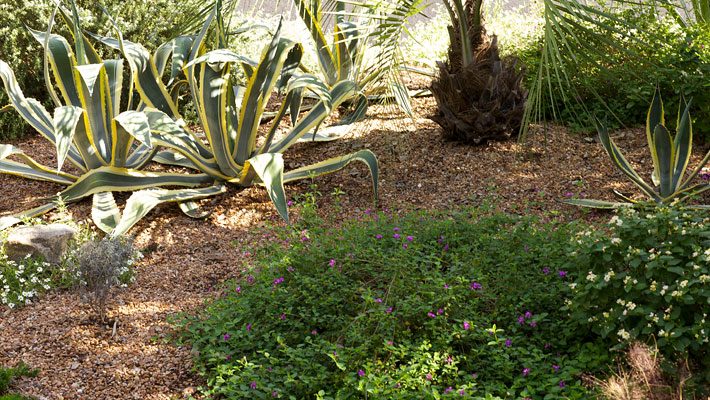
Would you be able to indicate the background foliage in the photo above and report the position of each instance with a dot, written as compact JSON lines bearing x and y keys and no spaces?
{"x":138,"y":19}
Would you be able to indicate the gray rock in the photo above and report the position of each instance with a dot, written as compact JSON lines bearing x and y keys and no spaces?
{"x":49,"y":241}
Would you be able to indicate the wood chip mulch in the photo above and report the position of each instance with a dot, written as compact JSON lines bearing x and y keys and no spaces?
{"x":186,"y":260}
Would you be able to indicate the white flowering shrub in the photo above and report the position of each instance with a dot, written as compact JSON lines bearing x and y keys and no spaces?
{"x":646,"y":277}
{"x":21,"y":283}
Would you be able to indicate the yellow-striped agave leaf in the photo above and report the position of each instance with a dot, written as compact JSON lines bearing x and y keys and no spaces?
{"x":64,"y":123}
{"x":337,"y":163}
{"x":29,"y":168}
{"x":141,"y":202}
{"x":105,"y":212}
{"x":269,"y":167}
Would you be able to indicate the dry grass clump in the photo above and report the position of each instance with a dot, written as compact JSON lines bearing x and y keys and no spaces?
{"x":642,"y":379}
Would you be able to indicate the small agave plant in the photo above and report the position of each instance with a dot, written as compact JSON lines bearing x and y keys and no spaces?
{"x":671,"y":155}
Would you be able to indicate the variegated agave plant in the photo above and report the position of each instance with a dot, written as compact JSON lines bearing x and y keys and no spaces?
{"x":341,"y":59}
{"x":108,"y":148}
{"x":670,"y":154}
{"x":230,"y":93}
{"x":230,"y":110}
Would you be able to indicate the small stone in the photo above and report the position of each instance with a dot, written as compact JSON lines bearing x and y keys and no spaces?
{"x":48,"y":241}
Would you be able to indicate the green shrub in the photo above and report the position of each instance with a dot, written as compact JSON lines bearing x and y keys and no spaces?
{"x":679,"y":63}
{"x":425,"y":306}
{"x":147,"y":22}
{"x":647,"y":278}
{"x":7,"y":375}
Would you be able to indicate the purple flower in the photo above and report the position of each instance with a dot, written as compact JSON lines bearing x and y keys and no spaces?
{"x":238,"y":289}
{"x":431,"y":314}
{"x":304,"y":239}
{"x":368,"y":211}
{"x":449,"y":360}
{"x":562,"y":384}
{"x":389,"y":310}
{"x":441,"y":239}
{"x":396,"y":229}
{"x":446,"y":248}
{"x":396,"y":236}
{"x":228,"y":357}
{"x":290,"y":269}
{"x":446,"y":286}
{"x":533,"y":324}
{"x":378,"y":236}
{"x":390,"y":343}
{"x":526,"y":371}
{"x":556,"y":368}
{"x":361,"y":373}
{"x":521,"y":320}
{"x":378,"y":300}
{"x":274,"y":394}
{"x":249,"y":327}
{"x":569,"y":194}
{"x":508,"y":342}
{"x":405,"y":246}
{"x":331,"y":263}
{"x":704,"y":176}
{"x":410,"y":238}
{"x":448,"y":390}
{"x":226,"y":336}
{"x":289,"y":203}
{"x":466,"y":325}
{"x":282,"y":317}
{"x":546,"y":271}
{"x":528,"y":314}
{"x":429,"y":377}
{"x":476,"y":286}
{"x":278,"y":280}
{"x":439,"y":311}
{"x":250,"y":279}
{"x":462,"y":392}
{"x":252,"y":385}
{"x":561,"y":273}
{"x":314,"y":332}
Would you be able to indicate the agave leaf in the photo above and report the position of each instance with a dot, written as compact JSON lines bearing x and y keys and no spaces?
{"x":258,"y":91}
{"x":335,"y":164}
{"x":29,"y":109}
{"x":326,"y":59}
{"x":30,"y":168}
{"x":621,"y":162}
{"x":137,"y":125}
{"x":270,"y":167}
{"x":664,"y":151}
{"x":696,"y":171}
{"x":141,"y":202}
{"x":65,"y":121}
{"x":192,"y":209}
{"x":10,"y":220}
{"x":683,"y":145}
{"x":104,"y":211}
{"x":656,"y":116}
{"x":340,"y":93}
{"x":607,"y":205}
{"x":112,"y":179}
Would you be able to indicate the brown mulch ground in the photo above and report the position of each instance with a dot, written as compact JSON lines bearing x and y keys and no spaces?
{"x":186,"y":259}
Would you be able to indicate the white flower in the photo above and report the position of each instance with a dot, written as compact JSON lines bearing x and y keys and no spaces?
{"x":623,"y":334}
{"x":684,"y":283}
{"x":591,"y":277}
{"x":615,"y":241}
{"x":615,"y":220}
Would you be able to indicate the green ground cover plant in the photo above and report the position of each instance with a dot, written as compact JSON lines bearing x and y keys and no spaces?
{"x":7,"y":375}
{"x":465,"y":303}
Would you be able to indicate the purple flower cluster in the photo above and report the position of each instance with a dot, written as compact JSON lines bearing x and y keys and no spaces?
{"x":476,"y":286}
{"x":527,"y":318}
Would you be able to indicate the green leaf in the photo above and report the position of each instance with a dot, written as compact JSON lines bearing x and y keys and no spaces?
{"x":608,"y":205}
{"x":104,"y":211}
{"x":141,"y":202}
{"x":270,"y":167}
{"x":136,"y":124}
{"x":664,"y":151}
{"x":65,"y":121}
{"x":683,"y":145}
